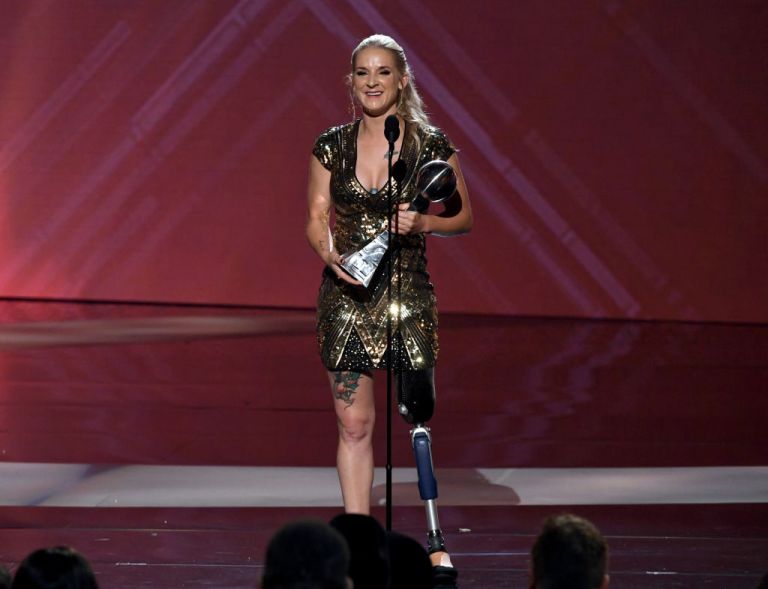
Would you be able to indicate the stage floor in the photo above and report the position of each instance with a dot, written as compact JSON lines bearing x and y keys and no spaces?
{"x":169,"y":443}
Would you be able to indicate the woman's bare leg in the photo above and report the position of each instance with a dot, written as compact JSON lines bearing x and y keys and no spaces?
{"x":355,"y":414}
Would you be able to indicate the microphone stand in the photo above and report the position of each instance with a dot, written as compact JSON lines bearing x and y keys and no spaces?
{"x":390,"y":200}
{"x":389,"y":341}
{"x":398,"y":371}
{"x":391,"y":132}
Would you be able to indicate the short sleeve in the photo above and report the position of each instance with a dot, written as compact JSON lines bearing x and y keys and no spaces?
{"x":325,"y":148}
{"x":439,"y":146}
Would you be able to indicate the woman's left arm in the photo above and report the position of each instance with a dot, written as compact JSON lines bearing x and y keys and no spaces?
{"x":454,"y":220}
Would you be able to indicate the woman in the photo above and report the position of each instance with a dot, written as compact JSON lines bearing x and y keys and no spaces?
{"x":348,"y":171}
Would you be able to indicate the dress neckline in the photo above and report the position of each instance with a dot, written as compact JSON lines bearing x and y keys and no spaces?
{"x":374,"y":190}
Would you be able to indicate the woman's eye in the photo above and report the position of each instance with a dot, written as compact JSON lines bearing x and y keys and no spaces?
{"x":360,"y":73}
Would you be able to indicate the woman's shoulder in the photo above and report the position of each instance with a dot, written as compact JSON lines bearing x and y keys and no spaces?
{"x":432,"y":132}
{"x":329,"y":144}
{"x":332,"y":133}
{"x":435,"y":140}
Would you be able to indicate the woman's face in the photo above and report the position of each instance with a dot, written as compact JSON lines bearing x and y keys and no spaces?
{"x":376,"y":82}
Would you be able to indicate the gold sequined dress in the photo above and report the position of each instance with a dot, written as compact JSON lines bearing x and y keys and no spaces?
{"x":352,"y":321}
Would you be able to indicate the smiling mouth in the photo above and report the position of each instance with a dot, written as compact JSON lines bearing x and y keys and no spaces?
{"x":379,"y":93}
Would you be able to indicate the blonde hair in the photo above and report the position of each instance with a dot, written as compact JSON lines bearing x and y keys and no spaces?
{"x":409,"y":104}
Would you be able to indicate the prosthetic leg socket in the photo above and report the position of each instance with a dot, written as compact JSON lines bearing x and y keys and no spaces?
{"x":416,"y":395}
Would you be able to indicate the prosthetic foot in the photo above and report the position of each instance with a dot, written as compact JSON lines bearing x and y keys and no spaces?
{"x":416,"y":404}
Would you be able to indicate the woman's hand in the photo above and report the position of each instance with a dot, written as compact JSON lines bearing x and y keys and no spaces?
{"x":409,"y":222}
{"x":333,"y":261}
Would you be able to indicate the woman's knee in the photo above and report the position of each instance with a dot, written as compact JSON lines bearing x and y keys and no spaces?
{"x":355,"y":429}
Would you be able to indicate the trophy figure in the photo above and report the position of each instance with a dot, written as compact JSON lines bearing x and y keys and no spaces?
{"x":435,"y":182}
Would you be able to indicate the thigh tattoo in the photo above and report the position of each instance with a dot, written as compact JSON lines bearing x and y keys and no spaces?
{"x":346,"y":384}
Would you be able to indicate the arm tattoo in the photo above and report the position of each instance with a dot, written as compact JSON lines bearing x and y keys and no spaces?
{"x":346,"y":384}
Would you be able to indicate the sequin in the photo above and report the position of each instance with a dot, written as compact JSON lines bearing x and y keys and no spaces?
{"x":352,"y":321}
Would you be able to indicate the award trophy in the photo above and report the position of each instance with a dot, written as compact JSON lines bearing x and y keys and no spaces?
{"x":435,"y":182}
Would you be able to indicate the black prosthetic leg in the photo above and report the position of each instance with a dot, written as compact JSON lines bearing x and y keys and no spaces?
{"x":416,"y":404}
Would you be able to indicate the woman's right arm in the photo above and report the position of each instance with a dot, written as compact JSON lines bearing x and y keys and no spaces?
{"x":318,"y":215}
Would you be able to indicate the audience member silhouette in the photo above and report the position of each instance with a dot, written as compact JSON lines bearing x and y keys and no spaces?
{"x":5,"y":577}
{"x":410,"y":567}
{"x":569,"y":553}
{"x":306,"y":555}
{"x":367,"y":541}
{"x":59,"y":567}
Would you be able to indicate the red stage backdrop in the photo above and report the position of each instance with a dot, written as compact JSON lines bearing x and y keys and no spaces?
{"x":616,"y":151}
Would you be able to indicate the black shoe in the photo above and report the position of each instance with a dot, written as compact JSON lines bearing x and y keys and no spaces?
{"x":444,"y":577}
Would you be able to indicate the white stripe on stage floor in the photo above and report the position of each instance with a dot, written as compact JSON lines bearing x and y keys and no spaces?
{"x":83,"y":485}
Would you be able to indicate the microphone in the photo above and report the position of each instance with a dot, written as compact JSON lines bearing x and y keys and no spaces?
{"x":391,"y":130}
